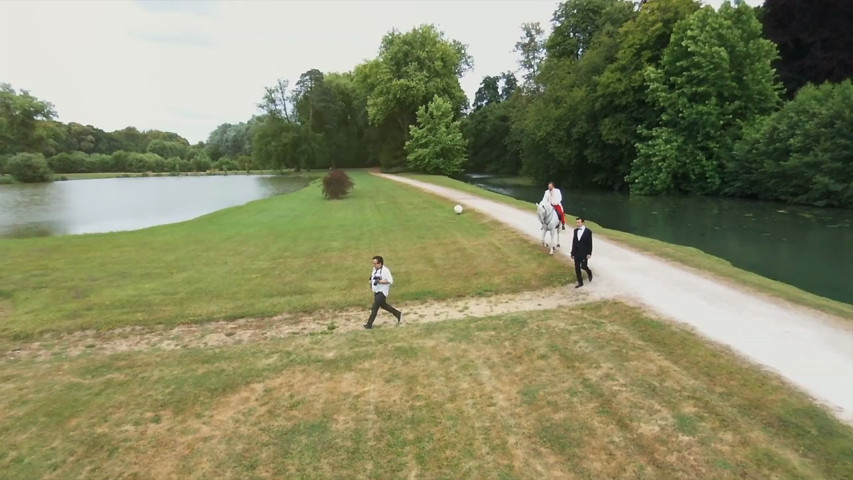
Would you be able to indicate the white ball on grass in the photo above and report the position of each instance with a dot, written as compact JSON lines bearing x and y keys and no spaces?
{"x":457,"y":209}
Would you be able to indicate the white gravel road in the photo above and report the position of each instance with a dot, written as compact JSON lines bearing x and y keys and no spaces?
{"x":812,"y":350}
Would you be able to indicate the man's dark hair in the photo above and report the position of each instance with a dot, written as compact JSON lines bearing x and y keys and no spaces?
{"x":579,"y":218}
{"x":379,"y":259}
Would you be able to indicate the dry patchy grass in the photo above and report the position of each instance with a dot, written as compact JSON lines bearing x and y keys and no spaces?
{"x":594,"y":391}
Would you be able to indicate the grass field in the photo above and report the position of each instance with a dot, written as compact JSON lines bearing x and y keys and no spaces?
{"x":687,"y":256}
{"x":598,"y":391}
{"x":297,"y":252}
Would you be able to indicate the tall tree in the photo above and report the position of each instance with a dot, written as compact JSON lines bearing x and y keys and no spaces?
{"x":801,"y":154}
{"x":488,"y":93}
{"x":620,"y":99}
{"x":20,"y":115}
{"x":715,"y":78}
{"x":277,"y":100}
{"x":558,"y":126}
{"x":531,"y":52}
{"x":436,"y":144}
{"x":410,"y":70}
{"x":815,"y":40}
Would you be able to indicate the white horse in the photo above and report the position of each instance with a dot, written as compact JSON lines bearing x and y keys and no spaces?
{"x":550,"y":220}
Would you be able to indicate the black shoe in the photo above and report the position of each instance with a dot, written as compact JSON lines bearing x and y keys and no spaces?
{"x":564,"y":227}
{"x":400,"y":318}
{"x":367,"y":327}
{"x":579,"y":285}
{"x":590,"y":276}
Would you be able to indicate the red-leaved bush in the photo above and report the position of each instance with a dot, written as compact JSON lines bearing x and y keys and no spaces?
{"x":336,"y":184}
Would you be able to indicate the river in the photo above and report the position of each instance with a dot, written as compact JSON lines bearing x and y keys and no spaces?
{"x":810,"y":248}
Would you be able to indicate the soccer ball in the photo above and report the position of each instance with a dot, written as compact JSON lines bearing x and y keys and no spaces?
{"x":457,"y":209}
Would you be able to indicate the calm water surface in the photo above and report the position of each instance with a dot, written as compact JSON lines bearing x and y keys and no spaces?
{"x":115,"y":204}
{"x":810,"y":248}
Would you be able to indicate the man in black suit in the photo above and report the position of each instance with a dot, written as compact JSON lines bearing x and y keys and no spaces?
{"x":581,"y":250}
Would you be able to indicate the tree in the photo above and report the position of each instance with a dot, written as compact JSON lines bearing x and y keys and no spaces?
{"x":814,"y":38}
{"x":436,"y":144}
{"x":410,"y":70}
{"x":20,"y":116}
{"x":488,"y":93}
{"x":715,"y":78}
{"x":487,"y":130}
{"x":231,"y":140}
{"x":277,"y":100}
{"x":620,"y":101}
{"x":314,"y":105}
{"x":29,"y":168}
{"x":271,"y":144}
{"x":577,"y":22}
{"x":167,"y":149}
{"x":347,"y":123}
{"x":531,"y":51}
{"x":557,"y":127}
{"x":801,"y":154}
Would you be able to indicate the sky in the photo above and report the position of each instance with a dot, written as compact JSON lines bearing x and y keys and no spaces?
{"x":189,"y":66}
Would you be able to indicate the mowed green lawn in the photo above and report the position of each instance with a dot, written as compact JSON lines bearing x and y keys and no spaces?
{"x":597,"y":391}
{"x":293,"y":253}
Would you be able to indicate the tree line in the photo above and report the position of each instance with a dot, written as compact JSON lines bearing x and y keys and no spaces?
{"x":655,"y":97}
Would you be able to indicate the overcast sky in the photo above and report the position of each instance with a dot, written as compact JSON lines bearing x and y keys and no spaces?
{"x":189,"y":66}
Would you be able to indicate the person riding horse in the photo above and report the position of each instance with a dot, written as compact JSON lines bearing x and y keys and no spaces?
{"x":550,"y":221}
{"x":555,"y":198}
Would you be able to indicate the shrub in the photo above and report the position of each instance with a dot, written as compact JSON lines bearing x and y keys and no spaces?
{"x":29,"y":168}
{"x":68,"y":162}
{"x":4,"y":159}
{"x":99,"y":162}
{"x":336,"y":184}
{"x":802,"y":153}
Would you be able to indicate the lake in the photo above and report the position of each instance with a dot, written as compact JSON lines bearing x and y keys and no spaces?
{"x":810,"y":248}
{"x":116,"y":204}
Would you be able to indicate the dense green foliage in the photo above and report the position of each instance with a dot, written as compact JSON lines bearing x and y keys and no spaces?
{"x":702,"y":116}
{"x":653,"y":98}
{"x":800,"y":154}
{"x":815,"y":40}
{"x":28,"y":168}
{"x":436,"y":144}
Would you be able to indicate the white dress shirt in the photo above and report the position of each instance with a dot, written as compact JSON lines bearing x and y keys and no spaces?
{"x":554,"y":197}
{"x":386,"y":275}
{"x":580,"y":232}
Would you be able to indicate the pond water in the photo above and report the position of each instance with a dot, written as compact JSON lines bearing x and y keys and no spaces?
{"x":116,"y":204}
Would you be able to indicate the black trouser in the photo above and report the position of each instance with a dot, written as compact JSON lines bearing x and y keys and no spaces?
{"x":379,"y":301}
{"x":582,"y":263}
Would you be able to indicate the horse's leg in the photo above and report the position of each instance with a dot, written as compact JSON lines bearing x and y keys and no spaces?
{"x":557,"y":229}
{"x":552,"y":243}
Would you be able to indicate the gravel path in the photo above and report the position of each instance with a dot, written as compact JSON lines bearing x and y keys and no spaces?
{"x":812,"y":350}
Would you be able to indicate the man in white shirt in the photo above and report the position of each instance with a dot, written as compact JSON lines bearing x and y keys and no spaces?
{"x":380,"y":283}
{"x":555,"y":198}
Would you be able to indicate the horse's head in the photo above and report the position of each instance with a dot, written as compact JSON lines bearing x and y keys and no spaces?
{"x":543,"y":209}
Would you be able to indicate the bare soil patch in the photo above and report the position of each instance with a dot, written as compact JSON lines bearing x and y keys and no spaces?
{"x":223,"y":333}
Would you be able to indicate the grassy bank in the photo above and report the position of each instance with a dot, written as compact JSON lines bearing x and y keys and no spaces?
{"x":687,"y":256}
{"x":296,"y":253}
{"x":597,"y":391}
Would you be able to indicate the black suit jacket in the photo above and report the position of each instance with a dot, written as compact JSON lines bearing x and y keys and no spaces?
{"x":582,"y":248}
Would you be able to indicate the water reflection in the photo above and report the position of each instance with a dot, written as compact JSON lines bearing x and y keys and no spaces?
{"x":802,"y":246}
{"x":116,"y":204}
